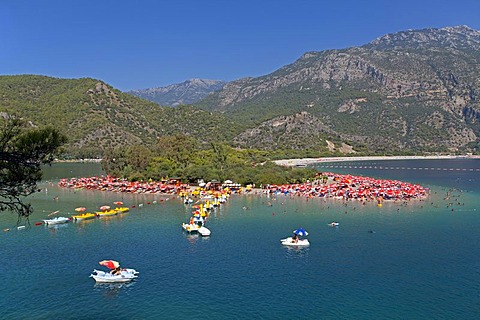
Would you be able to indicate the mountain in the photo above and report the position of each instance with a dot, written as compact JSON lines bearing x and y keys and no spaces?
{"x":96,"y":116}
{"x":187,"y":92}
{"x":410,"y":91}
{"x":414,"y":91}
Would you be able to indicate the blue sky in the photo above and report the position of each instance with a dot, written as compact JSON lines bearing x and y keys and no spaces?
{"x":146,"y":43}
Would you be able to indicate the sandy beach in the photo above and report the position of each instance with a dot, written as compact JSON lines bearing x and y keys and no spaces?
{"x":335,"y":186}
{"x":307,"y":161}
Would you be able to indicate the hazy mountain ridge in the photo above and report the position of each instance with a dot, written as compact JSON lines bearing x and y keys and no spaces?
{"x":414,"y":89}
{"x":187,"y":92}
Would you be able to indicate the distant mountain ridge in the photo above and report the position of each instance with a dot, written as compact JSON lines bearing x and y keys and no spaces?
{"x":187,"y":92}
{"x":412,"y":90}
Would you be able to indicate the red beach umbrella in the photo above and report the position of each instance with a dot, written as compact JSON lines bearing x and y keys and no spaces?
{"x":111,"y":264}
{"x":118,"y":203}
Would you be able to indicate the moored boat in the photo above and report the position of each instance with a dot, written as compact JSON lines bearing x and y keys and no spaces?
{"x":84,"y":216}
{"x":205,"y":232}
{"x":122,"y":209}
{"x":56,"y":220}
{"x":106,"y":213}
{"x":190,"y":227}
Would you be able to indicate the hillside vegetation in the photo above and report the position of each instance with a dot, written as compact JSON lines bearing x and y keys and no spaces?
{"x":412,"y":91}
{"x":96,"y":116}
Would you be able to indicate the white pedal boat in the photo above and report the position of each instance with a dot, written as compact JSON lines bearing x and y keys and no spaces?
{"x":56,"y":220}
{"x":106,"y":277}
{"x":204,"y":231}
{"x":192,"y":227}
{"x":290,"y":242}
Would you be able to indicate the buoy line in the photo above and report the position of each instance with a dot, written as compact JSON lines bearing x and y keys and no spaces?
{"x":397,"y":168}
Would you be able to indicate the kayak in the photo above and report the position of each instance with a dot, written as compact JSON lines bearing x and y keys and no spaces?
{"x":126,"y":275}
{"x":290,"y":242}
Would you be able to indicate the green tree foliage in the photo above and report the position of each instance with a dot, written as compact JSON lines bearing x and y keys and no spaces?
{"x":183,"y":157}
{"x":178,"y":148}
{"x":114,"y":161}
{"x":96,"y":116}
{"x":23,"y":151}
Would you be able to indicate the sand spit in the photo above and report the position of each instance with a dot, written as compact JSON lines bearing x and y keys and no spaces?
{"x":307,"y":161}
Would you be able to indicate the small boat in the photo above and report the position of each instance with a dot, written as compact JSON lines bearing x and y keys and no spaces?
{"x":291,"y":242}
{"x":126,"y":275}
{"x":334,"y":224}
{"x":204,"y":231}
{"x":106,"y":213}
{"x":190,"y":227}
{"x":56,"y":220}
{"x":122,"y":209}
{"x":84,"y":216}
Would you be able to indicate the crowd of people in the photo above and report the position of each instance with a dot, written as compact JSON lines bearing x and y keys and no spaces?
{"x":109,"y":183}
{"x":333,"y":185}
{"x":328,"y":185}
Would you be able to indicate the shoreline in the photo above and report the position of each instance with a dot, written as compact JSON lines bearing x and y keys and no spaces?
{"x":329,"y":185}
{"x":306,"y":161}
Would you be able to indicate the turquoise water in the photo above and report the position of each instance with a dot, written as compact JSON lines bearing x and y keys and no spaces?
{"x":401,"y":261}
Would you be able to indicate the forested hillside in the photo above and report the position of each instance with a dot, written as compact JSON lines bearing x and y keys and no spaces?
{"x":414,"y":91}
{"x":96,"y":116}
{"x":411,"y":91}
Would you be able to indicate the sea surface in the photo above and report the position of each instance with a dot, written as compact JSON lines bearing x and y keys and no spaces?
{"x":415,"y":260}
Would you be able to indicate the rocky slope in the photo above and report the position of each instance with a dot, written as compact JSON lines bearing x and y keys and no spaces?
{"x":187,"y":92}
{"x":412,"y":90}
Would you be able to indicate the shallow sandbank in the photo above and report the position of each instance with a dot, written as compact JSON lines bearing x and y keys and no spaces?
{"x":306,"y":161}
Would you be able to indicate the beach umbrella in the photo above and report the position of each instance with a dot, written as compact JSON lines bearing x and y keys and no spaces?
{"x":300,"y":232}
{"x":111,"y":264}
{"x":103,"y":208}
{"x":118,"y":203}
{"x":80,"y":209}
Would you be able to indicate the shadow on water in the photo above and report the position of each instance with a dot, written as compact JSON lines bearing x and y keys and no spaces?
{"x":112,"y":290}
{"x":292,"y":252}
